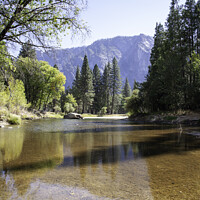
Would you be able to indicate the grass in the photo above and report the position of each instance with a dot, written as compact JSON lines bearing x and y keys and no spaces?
{"x":88,"y":115}
{"x":53,"y":115}
{"x":107,"y":115}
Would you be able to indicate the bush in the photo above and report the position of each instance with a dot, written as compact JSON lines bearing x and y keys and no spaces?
{"x":4,"y":113}
{"x":17,"y":100}
{"x":134,"y":103}
{"x":57,"y":109}
{"x":68,"y":107}
{"x":103,"y":111}
{"x":14,"y":119}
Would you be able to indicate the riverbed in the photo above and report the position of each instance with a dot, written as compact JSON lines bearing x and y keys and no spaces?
{"x":99,"y":159}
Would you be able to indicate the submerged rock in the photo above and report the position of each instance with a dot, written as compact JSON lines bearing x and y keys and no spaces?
{"x":73,"y":116}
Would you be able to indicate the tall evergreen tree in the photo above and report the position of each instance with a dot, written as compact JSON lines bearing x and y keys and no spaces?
{"x":136,"y":85}
{"x":115,"y":84}
{"x":190,"y":30}
{"x":197,"y":22}
{"x":106,"y":87}
{"x":154,"y":85}
{"x":97,"y":103}
{"x":27,"y":50}
{"x":127,"y":89}
{"x":87,"y":92}
{"x":76,"y":89}
{"x":173,"y":59}
{"x":76,"y":85}
{"x":126,"y":92}
{"x":173,"y":79}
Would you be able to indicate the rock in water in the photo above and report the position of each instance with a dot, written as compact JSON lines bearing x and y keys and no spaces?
{"x":73,"y":116}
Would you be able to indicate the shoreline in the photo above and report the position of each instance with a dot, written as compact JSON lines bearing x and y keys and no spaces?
{"x":187,"y":119}
{"x":113,"y":117}
{"x":165,"y":119}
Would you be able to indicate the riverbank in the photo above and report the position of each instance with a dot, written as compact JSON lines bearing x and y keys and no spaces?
{"x":187,"y":117}
{"x":7,"y":118}
{"x":112,"y":116}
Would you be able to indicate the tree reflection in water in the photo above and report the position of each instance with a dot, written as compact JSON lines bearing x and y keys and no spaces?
{"x":111,"y":159}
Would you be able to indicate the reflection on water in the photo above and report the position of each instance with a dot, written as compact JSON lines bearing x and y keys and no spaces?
{"x":78,"y":159}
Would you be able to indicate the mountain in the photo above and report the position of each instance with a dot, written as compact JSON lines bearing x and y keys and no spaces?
{"x":132,"y":54}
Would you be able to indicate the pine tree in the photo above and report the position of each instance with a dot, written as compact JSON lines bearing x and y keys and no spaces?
{"x":115,"y":84}
{"x":127,"y":89}
{"x":136,"y":85}
{"x":154,"y":85}
{"x":27,"y":50}
{"x":189,"y":30}
{"x":76,"y":89}
{"x":106,"y":87}
{"x":97,"y":103}
{"x":174,"y":70}
{"x":76,"y":85}
{"x":126,"y":92}
{"x":197,"y":22}
{"x":87,"y":92}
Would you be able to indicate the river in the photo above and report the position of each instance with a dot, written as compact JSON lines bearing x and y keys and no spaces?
{"x":99,"y":159}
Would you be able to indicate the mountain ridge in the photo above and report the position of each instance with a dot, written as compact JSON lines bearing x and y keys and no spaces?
{"x":131,"y":52}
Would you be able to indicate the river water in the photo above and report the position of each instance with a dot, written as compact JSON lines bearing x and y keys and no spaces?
{"x":106,"y":159}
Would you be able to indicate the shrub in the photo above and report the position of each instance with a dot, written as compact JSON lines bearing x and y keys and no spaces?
{"x":68,"y":107}
{"x":57,"y":109}
{"x":4,"y":113}
{"x":103,"y":111}
{"x":14,"y":119}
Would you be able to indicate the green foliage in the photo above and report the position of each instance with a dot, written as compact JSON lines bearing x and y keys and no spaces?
{"x":70,"y":104}
{"x":127,"y":89}
{"x":17,"y":99}
{"x":87,"y":92}
{"x":4,"y":113}
{"x":103,"y":111}
{"x":43,"y":83}
{"x":27,"y":51}
{"x":126,"y":92}
{"x":39,"y":19}
{"x":173,"y":80}
{"x":4,"y":96}
{"x":57,"y":109}
{"x":97,"y":103}
{"x":68,"y":107}
{"x":115,"y":84}
{"x":14,"y":119}
{"x":133,"y":104}
{"x":76,"y":89}
{"x":106,"y":87}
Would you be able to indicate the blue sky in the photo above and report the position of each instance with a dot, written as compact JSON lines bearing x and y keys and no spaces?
{"x":110,"y":18}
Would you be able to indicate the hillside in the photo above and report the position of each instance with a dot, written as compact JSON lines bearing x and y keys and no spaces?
{"x":132,"y":54}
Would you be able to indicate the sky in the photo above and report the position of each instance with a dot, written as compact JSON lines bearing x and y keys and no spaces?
{"x":111,"y":18}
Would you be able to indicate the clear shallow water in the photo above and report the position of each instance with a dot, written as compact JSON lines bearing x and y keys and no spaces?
{"x":85,"y":159}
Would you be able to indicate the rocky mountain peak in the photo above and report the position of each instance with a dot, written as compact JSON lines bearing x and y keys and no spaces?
{"x":132,"y":54}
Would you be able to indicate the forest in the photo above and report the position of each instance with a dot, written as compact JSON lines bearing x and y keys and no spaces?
{"x":172,"y":82}
{"x":173,"y":79}
{"x":28,"y":83}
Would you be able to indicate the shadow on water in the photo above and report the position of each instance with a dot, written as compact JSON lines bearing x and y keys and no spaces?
{"x":163,"y":144}
{"x":93,"y":143}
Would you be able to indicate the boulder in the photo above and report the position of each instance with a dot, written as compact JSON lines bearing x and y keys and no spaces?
{"x":73,"y":116}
